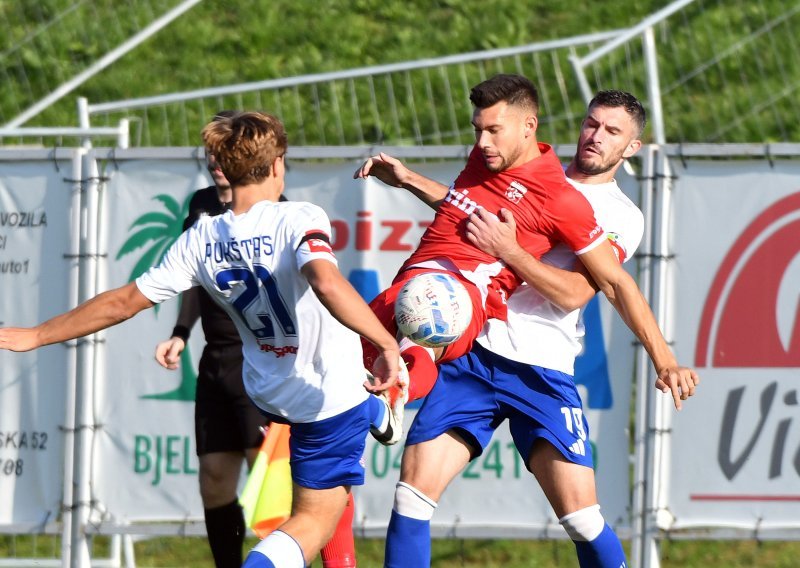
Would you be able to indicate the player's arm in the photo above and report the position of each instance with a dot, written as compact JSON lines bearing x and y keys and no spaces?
{"x":569,"y":290}
{"x":392,"y":171}
{"x":102,"y":311}
{"x":624,"y":294}
{"x":168,"y":353}
{"x":607,"y":275}
{"x":346,"y":305}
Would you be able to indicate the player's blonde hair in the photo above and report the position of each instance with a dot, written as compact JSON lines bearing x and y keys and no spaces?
{"x":245,"y":145}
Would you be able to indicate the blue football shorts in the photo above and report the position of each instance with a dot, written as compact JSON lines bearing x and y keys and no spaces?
{"x":476,"y":392}
{"x":329,"y":453}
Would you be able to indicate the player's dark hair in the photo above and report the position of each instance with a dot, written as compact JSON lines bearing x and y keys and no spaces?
{"x":514,"y":90}
{"x":613,"y":98}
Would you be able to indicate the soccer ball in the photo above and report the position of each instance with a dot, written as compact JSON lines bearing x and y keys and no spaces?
{"x":433,"y":309}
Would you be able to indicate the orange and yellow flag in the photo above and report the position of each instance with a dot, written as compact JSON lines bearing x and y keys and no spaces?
{"x":267,"y":495}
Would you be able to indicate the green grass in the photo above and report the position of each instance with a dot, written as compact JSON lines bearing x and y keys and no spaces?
{"x":509,"y":554}
{"x":224,"y":42}
{"x":171,"y":552}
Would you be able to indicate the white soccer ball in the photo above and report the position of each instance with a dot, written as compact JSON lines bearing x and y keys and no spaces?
{"x":433,"y":309}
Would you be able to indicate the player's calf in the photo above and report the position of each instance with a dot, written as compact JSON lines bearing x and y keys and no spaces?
{"x":408,"y":538}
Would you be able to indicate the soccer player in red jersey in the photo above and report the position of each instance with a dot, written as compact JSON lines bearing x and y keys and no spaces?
{"x":509,"y":169}
{"x":521,"y":370}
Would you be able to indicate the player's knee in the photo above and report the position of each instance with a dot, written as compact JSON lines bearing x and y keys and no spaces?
{"x":411,"y":502}
{"x":216,"y":491}
{"x":584,"y":525}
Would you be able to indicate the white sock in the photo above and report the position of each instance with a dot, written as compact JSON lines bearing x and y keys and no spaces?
{"x":585,"y":524}
{"x":411,"y":502}
{"x":282,"y":550}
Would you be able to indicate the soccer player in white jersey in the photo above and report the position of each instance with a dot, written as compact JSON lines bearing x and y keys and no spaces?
{"x":271,"y":267}
{"x":522,"y":369}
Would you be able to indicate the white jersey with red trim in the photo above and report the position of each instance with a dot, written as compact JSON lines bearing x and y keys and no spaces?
{"x":299,"y":361}
{"x":538,"y":332}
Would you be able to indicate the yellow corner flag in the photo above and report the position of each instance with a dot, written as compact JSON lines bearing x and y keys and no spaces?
{"x":267,"y":495}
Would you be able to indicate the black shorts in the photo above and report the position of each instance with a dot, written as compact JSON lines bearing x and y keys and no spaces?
{"x":225,"y":419}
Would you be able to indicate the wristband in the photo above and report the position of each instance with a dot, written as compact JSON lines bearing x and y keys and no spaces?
{"x":181,"y":331}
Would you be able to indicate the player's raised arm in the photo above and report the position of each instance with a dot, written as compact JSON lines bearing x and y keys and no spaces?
{"x":346,"y":305}
{"x":392,"y":171}
{"x":624,"y":294}
{"x":496,"y":235}
{"x":102,"y":311}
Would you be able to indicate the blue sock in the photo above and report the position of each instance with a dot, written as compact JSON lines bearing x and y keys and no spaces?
{"x":377,"y":411}
{"x":408,"y":542}
{"x":605,"y":551}
{"x":257,"y":560}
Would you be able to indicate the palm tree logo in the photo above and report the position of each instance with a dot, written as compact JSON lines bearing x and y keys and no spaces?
{"x":157,"y":231}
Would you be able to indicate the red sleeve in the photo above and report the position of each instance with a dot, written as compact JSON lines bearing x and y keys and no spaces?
{"x":573,"y":220}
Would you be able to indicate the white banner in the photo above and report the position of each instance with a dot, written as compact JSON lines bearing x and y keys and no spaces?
{"x":144,"y":462}
{"x":145,"y":465}
{"x":736,"y":446}
{"x":35,"y":235}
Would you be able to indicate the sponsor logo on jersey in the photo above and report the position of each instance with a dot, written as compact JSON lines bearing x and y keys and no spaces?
{"x":279,"y":351}
{"x":515,"y":192}
{"x":460,"y":200}
{"x":616,"y":246}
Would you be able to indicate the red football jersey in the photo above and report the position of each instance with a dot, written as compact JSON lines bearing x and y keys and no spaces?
{"x":547,"y":209}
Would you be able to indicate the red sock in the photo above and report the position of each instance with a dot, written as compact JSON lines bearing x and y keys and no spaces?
{"x":422,"y":371}
{"x":340,"y":552}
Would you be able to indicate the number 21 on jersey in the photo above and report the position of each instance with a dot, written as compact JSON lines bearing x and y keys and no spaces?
{"x":259,"y":303}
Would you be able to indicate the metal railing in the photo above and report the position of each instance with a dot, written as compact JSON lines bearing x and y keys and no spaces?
{"x":419,"y":102}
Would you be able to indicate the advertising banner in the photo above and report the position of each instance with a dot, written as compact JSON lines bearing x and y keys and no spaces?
{"x":35,"y":258}
{"x":736,"y":446}
{"x":143,"y":462}
{"x":144,"y":466}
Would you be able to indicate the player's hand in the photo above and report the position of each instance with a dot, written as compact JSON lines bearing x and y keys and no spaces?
{"x":389,"y":170}
{"x":680,"y":381}
{"x":19,"y":339}
{"x":385,"y":371}
{"x":494,"y":235}
{"x":168,"y":353}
